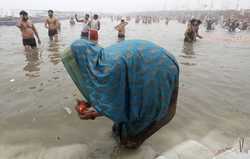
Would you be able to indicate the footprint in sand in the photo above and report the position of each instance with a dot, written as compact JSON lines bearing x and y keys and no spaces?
{"x":32,"y":87}
{"x":40,"y":90}
{"x":55,"y":78}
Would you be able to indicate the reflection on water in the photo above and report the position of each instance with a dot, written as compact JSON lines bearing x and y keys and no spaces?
{"x":120,"y":39}
{"x":32,"y":67}
{"x":188,"y":50}
{"x":54,"y":55}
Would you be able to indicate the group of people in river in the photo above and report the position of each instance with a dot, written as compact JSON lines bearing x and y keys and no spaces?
{"x":236,"y":25}
{"x":29,"y":31}
{"x":90,"y":28}
{"x":229,"y":24}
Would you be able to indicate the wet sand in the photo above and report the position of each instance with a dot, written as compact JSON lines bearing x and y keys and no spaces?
{"x":213,"y":106}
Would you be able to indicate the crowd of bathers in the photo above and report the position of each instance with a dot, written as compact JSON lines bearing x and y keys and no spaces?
{"x":90,"y":28}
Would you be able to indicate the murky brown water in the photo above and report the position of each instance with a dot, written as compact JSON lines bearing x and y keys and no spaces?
{"x":213,"y":106}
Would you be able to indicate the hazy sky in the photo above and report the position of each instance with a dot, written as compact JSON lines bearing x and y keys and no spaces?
{"x":118,"y":5}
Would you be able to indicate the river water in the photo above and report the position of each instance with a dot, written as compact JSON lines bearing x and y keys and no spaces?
{"x":213,"y":105}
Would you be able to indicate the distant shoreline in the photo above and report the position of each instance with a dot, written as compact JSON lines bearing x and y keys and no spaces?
{"x":11,"y":20}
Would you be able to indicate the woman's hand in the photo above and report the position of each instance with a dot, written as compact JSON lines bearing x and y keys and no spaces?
{"x":85,"y":111}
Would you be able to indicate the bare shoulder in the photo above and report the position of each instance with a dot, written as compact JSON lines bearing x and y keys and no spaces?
{"x":20,"y":22}
{"x":32,"y":25}
{"x":30,"y":22}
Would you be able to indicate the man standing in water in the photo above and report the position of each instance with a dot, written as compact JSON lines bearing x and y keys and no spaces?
{"x":166,"y":21}
{"x":196,"y":26}
{"x":28,"y":30}
{"x":72,"y":21}
{"x":189,"y":34}
{"x":52,"y":24}
{"x":95,"y":26}
{"x":85,"y":28}
{"x":121,"y":29}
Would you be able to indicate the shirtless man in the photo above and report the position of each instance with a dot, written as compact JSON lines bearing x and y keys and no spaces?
{"x":189,"y":34}
{"x":72,"y":21}
{"x":166,"y":21}
{"x":28,"y":30}
{"x":195,"y":25}
{"x":85,"y":27}
{"x":121,"y":29}
{"x":95,"y":26}
{"x":52,"y":24}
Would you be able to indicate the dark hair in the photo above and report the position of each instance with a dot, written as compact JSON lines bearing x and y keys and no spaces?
{"x":192,"y":21}
{"x":23,"y":13}
{"x":95,"y":16}
{"x":50,"y":11}
{"x":122,"y":20}
{"x":87,"y":15}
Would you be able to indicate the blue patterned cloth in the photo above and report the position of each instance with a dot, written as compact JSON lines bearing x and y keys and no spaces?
{"x":130,"y":82}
